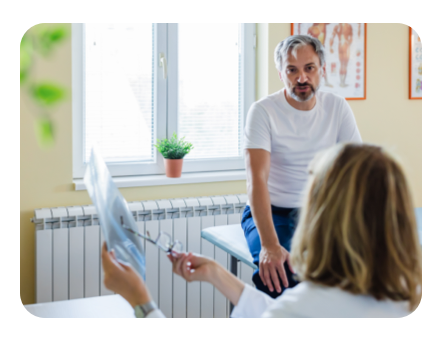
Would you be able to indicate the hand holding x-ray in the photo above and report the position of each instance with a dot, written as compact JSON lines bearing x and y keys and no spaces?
{"x":113,"y":214}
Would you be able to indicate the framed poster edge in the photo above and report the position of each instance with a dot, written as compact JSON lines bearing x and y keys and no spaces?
{"x":410,"y":97}
{"x":292,"y":31}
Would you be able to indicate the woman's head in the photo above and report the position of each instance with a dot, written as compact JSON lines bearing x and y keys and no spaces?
{"x":357,"y":228}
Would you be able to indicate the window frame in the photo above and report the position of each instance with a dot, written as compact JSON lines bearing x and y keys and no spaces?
{"x":166,"y":95}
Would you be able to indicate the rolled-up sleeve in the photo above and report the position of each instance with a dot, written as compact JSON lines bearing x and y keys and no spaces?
{"x":252,"y":303}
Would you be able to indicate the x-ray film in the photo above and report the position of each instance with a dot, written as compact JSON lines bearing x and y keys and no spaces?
{"x":113,"y":213}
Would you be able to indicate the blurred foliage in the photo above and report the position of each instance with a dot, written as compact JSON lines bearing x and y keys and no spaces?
{"x":47,"y":94}
{"x":42,"y":40}
{"x":173,"y":148}
{"x":25,"y":57}
{"x":48,"y":37}
{"x":44,"y":131}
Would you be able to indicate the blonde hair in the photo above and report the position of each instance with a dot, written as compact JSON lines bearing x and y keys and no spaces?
{"x":357,"y":228}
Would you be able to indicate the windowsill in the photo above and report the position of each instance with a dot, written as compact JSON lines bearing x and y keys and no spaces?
{"x":186,"y":178}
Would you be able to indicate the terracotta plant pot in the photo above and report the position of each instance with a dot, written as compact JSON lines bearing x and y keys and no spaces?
{"x":173,"y":167}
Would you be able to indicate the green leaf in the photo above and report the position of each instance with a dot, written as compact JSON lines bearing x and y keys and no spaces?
{"x":26,"y":51}
{"x":48,"y":36}
{"x":47,"y":94}
{"x":44,"y":131}
{"x":173,"y":148}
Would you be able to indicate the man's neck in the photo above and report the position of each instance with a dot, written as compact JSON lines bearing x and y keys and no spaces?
{"x":307,"y":105}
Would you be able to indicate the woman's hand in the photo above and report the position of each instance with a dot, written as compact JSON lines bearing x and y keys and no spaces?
{"x":123,"y":279}
{"x":193,"y":267}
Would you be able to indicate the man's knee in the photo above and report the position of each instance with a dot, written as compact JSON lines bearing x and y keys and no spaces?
{"x":260,"y":285}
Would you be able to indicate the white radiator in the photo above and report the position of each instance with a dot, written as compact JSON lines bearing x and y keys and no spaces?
{"x":68,"y":248}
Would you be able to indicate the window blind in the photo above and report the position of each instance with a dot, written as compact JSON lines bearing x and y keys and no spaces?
{"x":209,"y":89}
{"x":119,"y":91}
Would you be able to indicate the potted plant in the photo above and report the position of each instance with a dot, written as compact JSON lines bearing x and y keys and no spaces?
{"x":173,"y":150}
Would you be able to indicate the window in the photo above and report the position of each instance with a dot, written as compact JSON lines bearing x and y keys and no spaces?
{"x":136,"y":83}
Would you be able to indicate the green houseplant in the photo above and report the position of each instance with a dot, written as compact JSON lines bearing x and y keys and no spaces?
{"x":173,"y":150}
{"x":38,"y":95}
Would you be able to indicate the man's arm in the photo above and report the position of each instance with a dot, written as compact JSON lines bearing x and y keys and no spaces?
{"x":258,"y":167}
{"x":272,"y":255}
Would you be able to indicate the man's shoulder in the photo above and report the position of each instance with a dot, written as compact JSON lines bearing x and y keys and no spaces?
{"x":327,"y":98}
{"x":270,"y":100}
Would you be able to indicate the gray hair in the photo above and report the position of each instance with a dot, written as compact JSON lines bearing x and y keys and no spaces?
{"x":293,"y":43}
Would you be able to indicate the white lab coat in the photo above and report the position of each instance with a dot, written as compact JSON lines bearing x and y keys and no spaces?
{"x":311,"y":300}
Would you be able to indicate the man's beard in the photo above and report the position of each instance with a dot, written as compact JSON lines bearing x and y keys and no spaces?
{"x":303,"y":97}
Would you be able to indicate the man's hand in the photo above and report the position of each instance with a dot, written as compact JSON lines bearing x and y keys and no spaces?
{"x":271,"y":263}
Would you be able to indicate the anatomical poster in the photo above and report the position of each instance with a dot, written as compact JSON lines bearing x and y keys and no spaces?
{"x":345,"y":56}
{"x":415,"y":83}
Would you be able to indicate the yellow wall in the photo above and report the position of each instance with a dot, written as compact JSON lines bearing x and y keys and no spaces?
{"x":387,"y":117}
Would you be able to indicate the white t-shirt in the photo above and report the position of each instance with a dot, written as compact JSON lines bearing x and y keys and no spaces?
{"x":294,"y":136}
{"x":308,"y":299}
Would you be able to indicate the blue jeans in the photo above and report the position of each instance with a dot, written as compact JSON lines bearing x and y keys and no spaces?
{"x":285,"y":221}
